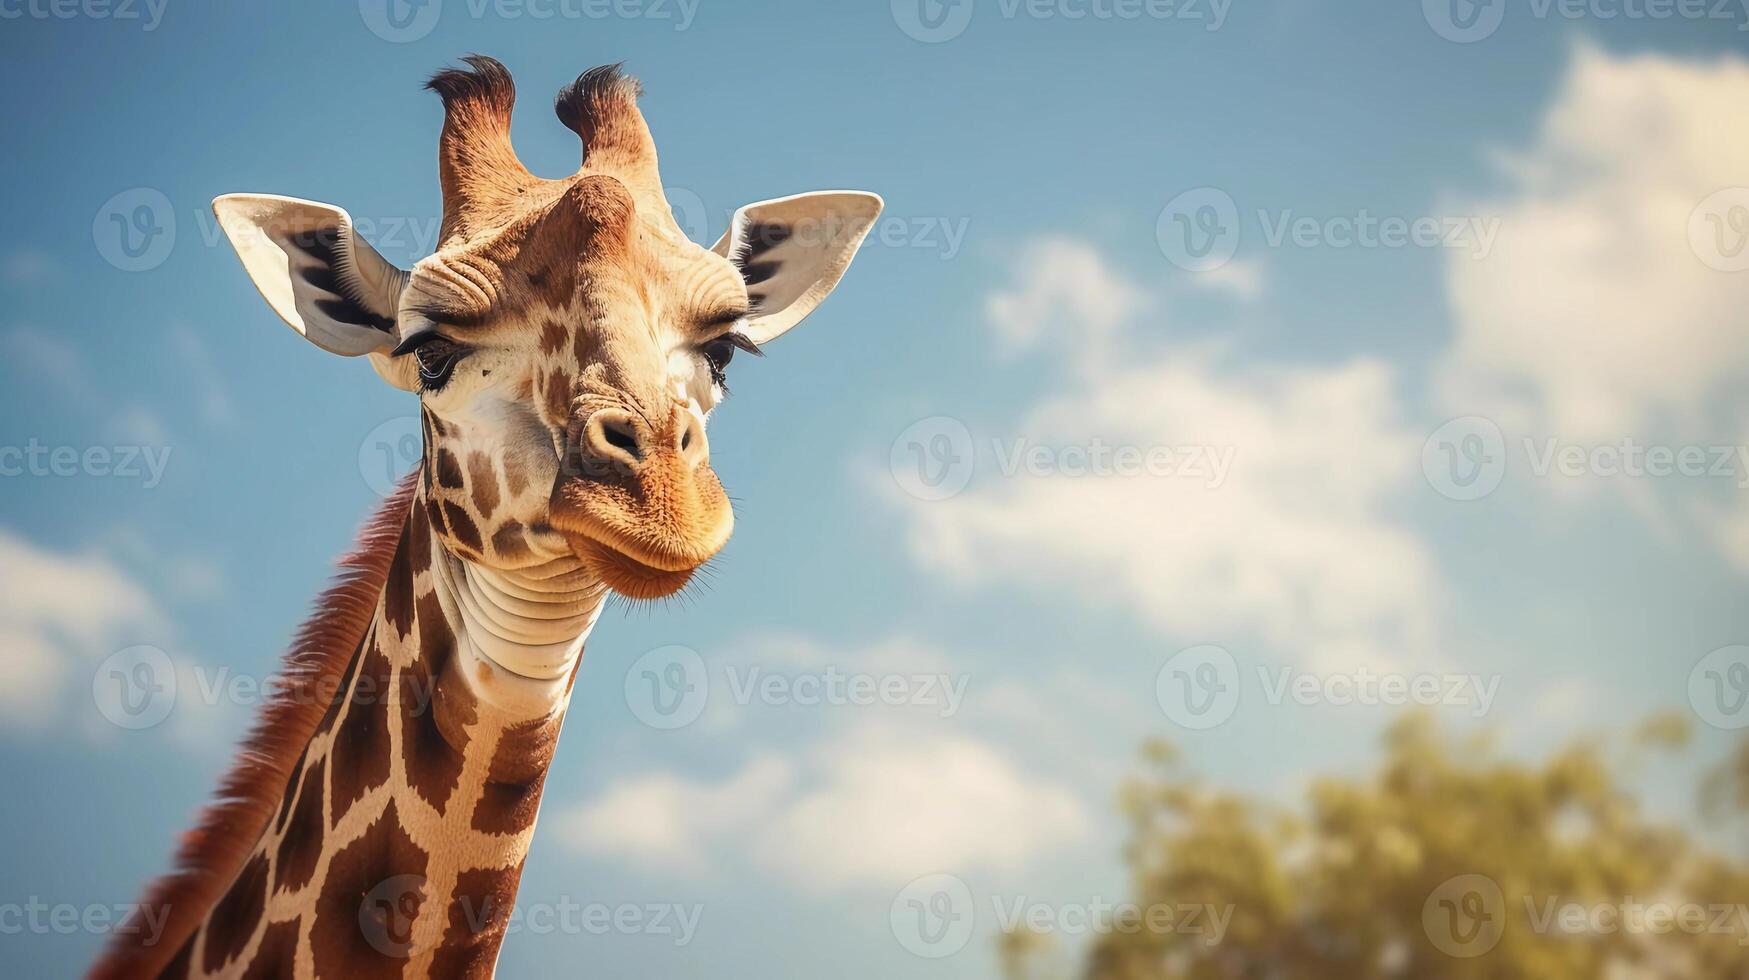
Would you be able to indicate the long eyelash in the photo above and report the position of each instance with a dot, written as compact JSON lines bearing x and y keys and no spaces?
{"x":743,"y":342}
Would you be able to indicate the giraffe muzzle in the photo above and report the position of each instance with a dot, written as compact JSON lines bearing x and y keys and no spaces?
{"x":640,"y":504}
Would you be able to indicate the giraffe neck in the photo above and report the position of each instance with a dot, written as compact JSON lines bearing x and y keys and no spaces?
{"x":399,"y":843}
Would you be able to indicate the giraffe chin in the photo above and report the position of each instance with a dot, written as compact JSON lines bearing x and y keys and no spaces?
{"x":626,"y":575}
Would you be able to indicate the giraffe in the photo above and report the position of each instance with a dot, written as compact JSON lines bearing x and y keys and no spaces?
{"x":566,"y":343}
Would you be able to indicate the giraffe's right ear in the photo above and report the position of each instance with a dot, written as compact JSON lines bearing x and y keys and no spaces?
{"x":315,"y":271}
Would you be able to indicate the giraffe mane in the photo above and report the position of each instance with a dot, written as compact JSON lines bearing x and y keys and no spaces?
{"x":211,"y":854}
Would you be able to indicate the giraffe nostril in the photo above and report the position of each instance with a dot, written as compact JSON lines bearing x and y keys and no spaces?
{"x":686,"y":439}
{"x":620,"y":435}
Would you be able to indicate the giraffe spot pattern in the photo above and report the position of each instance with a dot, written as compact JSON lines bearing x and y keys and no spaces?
{"x":301,"y":846}
{"x":552,"y":337}
{"x":509,"y":544}
{"x":461,"y":527}
{"x":483,"y":480}
{"x":433,"y":765}
{"x":233,"y":920}
{"x":514,"y":478}
{"x":398,"y":590}
{"x":558,"y":398}
{"x":510,"y":799}
{"x":365,"y":912}
{"x":449,"y":472}
{"x":479,"y":913}
{"x":364,"y":730}
{"x":276,"y":957}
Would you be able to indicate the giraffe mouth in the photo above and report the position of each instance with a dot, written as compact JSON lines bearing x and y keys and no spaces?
{"x":626,"y":575}
{"x":644,"y":534}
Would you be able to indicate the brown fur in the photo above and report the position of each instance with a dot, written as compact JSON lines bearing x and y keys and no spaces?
{"x":213,"y":853}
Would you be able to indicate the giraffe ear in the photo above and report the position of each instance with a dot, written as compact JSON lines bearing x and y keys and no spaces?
{"x":793,"y":250}
{"x":315,"y":271}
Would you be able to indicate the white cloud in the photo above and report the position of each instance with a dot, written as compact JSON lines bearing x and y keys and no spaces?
{"x":1241,"y":277}
{"x":667,"y":820}
{"x":876,"y":806}
{"x":1594,"y":317}
{"x":889,"y":806}
{"x":1061,"y":284}
{"x":1294,"y":544}
{"x":61,"y":613}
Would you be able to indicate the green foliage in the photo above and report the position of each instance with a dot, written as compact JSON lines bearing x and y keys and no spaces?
{"x":1448,"y":861}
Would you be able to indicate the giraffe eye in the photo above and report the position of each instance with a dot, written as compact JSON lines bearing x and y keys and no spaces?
{"x":717,"y":353}
{"x":437,"y":358}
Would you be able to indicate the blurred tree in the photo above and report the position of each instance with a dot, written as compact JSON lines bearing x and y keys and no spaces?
{"x":1449,"y":861}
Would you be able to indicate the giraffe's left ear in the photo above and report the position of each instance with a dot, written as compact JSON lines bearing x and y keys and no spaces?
{"x":793,"y":250}
{"x":315,"y":270}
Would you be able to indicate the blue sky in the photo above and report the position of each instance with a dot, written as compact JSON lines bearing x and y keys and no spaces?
{"x":1184,"y":234}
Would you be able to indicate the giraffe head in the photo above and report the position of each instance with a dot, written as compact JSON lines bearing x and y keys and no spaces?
{"x":566,"y":340}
